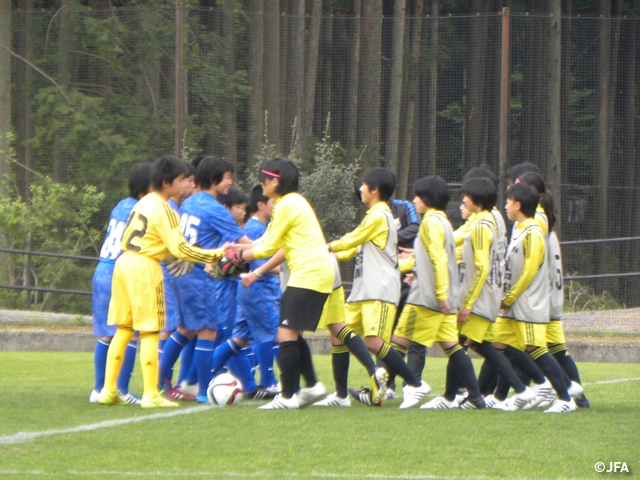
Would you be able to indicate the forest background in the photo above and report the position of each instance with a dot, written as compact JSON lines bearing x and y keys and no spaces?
{"x":89,"y":88}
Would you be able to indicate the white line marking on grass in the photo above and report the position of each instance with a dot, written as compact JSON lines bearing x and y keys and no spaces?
{"x":609,"y":382}
{"x":22,"y":437}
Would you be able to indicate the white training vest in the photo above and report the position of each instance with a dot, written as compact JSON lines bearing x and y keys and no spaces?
{"x":503,"y":241}
{"x":554,"y":262}
{"x":532,"y":305}
{"x":488,"y":302}
{"x":377,"y":275}
{"x":423,"y":287}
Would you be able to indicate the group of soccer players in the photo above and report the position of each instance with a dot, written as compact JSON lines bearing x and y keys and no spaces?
{"x":166,"y":267}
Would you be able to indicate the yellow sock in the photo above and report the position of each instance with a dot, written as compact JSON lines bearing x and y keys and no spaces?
{"x":115,"y":355}
{"x":149,"y":362}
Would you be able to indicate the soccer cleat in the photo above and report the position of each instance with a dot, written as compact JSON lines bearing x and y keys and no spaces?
{"x":262,"y":393}
{"x":176,"y":393}
{"x":379,"y":385}
{"x":363,"y":396}
{"x":575,"y":390}
{"x":413,"y":395}
{"x":188,"y":388}
{"x":490,"y":401}
{"x":130,"y":398}
{"x":333,"y":400}
{"x":390,"y":394}
{"x":281,"y":403}
{"x":562,"y":406}
{"x":203,"y":399}
{"x":473,"y":403}
{"x":159,"y":401}
{"x":503,"y":405}
{"x":519,"y":400}
{"x":107,"y":398}
{"x":439,"y":403}
{"x":308,"y":395}
{"x":95,"y":395}
{"x":543,"y":392}
{"x":582,"y":402}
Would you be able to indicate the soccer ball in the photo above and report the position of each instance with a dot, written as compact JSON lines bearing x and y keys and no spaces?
{"x":224,"y":390}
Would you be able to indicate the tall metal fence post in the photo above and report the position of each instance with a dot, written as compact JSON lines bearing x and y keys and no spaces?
{"x":179,"y":78}
{"x":504,"y":104}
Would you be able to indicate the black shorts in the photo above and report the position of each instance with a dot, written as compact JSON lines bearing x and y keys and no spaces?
{"x":300,"y":309}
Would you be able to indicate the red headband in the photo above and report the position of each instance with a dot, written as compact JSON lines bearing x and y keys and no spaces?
{"x":271,"y":174}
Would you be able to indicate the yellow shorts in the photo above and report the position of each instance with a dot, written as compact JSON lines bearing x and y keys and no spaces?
{"x":555,"y":332}
{"x":137,"y":294}
{"x":371,"y":318}
{"x":478,"y":329}
{"x":333,"y":311}
{"x":425,"y":326}
{"x":520,"y":334}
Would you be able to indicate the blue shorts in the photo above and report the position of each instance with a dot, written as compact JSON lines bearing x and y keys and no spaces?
{"x":197,"y":301}
{"x":101,"y":296}
{"x":226,"y":306}
{"x":258,"y":311}
{"x":171,"y":300}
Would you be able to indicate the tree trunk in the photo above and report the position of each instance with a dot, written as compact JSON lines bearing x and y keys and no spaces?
{"x":230,"y":146}
{"x":24,"y":76}
{"x":311,"y":69}
{"x":432,"y":95}
{"x":351,"y":138}
{"x":370,"y":70}
{"x":255,"y":112}
{"x":272,"y":72}
{"x":565,"y":86}
{"x":395,"y":89}
{"x":295,"y":73}
{"x":411,"y":93}
{"x":552,"y":138}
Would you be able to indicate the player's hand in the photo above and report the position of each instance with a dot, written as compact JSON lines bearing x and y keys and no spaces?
{"x":503,"y":306}
{"x":178,"y":268}
{"x":463,"y":315}
{"x":227,"y":248}
{"x":406,"y":250}
{"x":444,"y":306}
{"x":408,"y":279}
{"x":249,"y":279}
{"x":236,"y":257}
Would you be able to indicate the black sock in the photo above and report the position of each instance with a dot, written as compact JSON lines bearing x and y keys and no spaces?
{"x":452,"y":382}
{"x":502,"y":389}
{"x":500,"y":363}
{"x":464,"y":370}
{"x":289,"y":363}
{"x":487,"y":378}
{"x":416,"y":358}
{"x":552,"y":371}
{"x":340,"y":365}
{"x":524,"y":362}
{"x":565,"y":361}
{"x":396,"y":364}
{"x":306,"y":364}
{"x":356,"y":345}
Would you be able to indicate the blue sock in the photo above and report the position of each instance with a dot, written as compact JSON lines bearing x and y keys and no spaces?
{"x":161,"y":344}
{"x":99,"y":364}
{"x":186,"y":361}
{"x":264,"y":354}
{"x":240,"y":368}
{"x":127,"y":366}
{"x":192,"y":378}
{"x":203,"y":357}
{"x":170,"y":355}
{"x":222,"y":354}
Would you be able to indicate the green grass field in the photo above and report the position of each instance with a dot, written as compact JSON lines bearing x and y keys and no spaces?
{"x":49,"y":429}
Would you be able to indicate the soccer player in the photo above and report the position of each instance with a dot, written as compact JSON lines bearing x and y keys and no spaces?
{"x":101,"y":288}
{"x":137,"y":301}
{"x":371,"y":306}
{"x":525,"y":303}
{"x":429,"y":315}
{"x":481,"y":283}
{"x":205,"y":223}
{"x":294,"y":228}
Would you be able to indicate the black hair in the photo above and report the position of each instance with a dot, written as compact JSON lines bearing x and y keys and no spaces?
{"x":211,"y":171}
{"x":255,"y":197}
{"x":480,"y":172}
{"x":546,"y":199}
{"x":284,"y":170}
{"x":356,"y":189}
{"x":514,"y":172}
{"x":234,"y":196}
{"x":526,"y":196}
{"x":433,"y":192}
{"x":190,"y":169}
{"x":139,"y":180}
{"x":481,"y":191}
{"x":382,"y":180}
{"x":196,"y":161}
{"x":166,"y":169}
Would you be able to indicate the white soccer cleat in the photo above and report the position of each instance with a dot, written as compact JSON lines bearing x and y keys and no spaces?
{"x":379,"y":385}
{"x":413,"y":395}
{"x":130,"y":398}
{"x":390,"y":394}
{"x":490,"y":401}
{"x":544,"y":393}
{"x":281,"y":403}
{"x":308,"y":395}
{"x":439,"y":403}
{"x":519,"y":400}
{"x":95,"y":395}
{"x":575,"y":390}
{"x":333,"y":400}
{"x":562,"y":406}
{"x":189,"y":388}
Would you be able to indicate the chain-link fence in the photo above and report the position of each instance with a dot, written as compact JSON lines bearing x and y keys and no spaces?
{"x":94,"y":92}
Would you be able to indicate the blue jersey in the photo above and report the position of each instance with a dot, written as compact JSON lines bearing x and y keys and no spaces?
{"x":111,"y":248}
